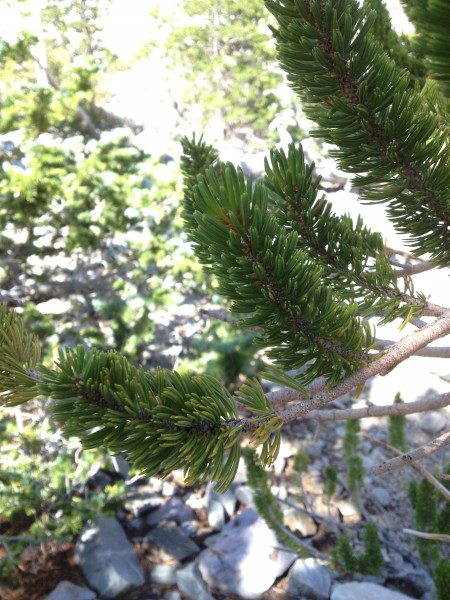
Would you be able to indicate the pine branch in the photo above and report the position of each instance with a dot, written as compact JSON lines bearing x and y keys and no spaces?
{"x":269,"y":280}
{"x":396,"y":354}
{"x":353,"y":258}
{"x":432,"y":23}
{"x":386,"y":132}
{"x":431,"y":351}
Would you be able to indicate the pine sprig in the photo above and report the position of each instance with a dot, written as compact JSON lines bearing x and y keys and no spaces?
{"x":387,"y":134}
{"x":267,"y":278}
{"x":432,"y":22}
{"x":19,"y":354}
{"x":160,"y":421}
{"x":354,"y":261}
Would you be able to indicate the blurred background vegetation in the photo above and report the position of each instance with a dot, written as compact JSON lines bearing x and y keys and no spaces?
{"x":91,"y":238}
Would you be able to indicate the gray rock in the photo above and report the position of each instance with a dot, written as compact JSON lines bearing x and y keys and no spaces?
{"x":381,"y":495}
{"x":417,"y":581}
{"x":245,"y":558}
{"x":190,"y":528}
{"x":120,"y":466}
{"x":190,"y":583}
{"x":219,"y":506}
{"x":165,"y":574}
{"x":172,"y":595}
{"x":139,"y":504}
{"x":432,"y":422}
{"x":173,"y":510}
{"x":307,"y":578}
{"x":216,"y":514}
{"x":172,"y":540}
{"x":106,"y":558}
{"x":365,"y":591}
{"x":65,"y":590}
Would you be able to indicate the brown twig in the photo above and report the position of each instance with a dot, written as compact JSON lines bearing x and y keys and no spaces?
{"x":413,"y":456}
{"x":372,"y":410}
{"x":431,"y":352}
{"x":439,"y":537}
{"x":419,"y":468}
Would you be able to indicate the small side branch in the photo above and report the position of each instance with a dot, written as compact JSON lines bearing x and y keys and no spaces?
{"x":430,"y":352}
{"x":411,"y":457}
{"x":414,"y":269}
{"x":372,"y":410}
{"x":419,"y":468}
{"x":439,"y":537}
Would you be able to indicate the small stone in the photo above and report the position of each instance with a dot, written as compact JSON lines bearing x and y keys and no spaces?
{"x":172,"y":595}
{"x":173,"y":510}
{"x":65,"y":590}
{"x":308,"y":578}
{"x":107,"y":559}
{"x":348,"y":510}
{"x":141,"y":503}
{"x":380,"y":495}
{"x":216,"y":514}
{"x":167,"y":489}
{"x":227,"y":499}
{"x":172,"y":540}
{"x":191,"y":583}
{"x":279,"y":491}
{"x":244,"y":494}
{"x":193,"y":501}
{"x":164,"y":574}
{"x":55,"y":306}
{"x":367,"y":591}
{"x":432,"y":422}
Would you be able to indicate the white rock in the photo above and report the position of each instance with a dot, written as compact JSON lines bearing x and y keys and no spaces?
{"x":365,"y":591}
{"x":55,"y":306}
{"x":165,"y":574}
{"x":246,"y":557}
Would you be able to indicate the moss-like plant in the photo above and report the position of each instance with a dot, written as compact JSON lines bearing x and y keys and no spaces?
{"x":368,"y":562}
{"x":396,"y":427}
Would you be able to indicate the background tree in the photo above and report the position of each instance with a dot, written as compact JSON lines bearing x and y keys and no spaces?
{"x":304,"y":281}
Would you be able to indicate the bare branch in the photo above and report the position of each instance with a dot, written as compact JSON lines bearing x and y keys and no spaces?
{"x":439,"y":537}
{"x":418,"y":467}
{"x":430,"y":351}
{"x":410,"y":269}
{"x":414,"y":455}
{"x":280,"y":398}
{"x":372,"y":410}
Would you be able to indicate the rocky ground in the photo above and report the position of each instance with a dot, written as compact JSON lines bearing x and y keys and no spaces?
{"x":174,"y":542}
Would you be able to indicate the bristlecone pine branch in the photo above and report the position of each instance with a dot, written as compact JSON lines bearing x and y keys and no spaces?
{"x":304,"y":280}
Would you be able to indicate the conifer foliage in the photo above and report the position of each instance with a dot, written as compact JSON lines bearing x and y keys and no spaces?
{"x":304,"y":280}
